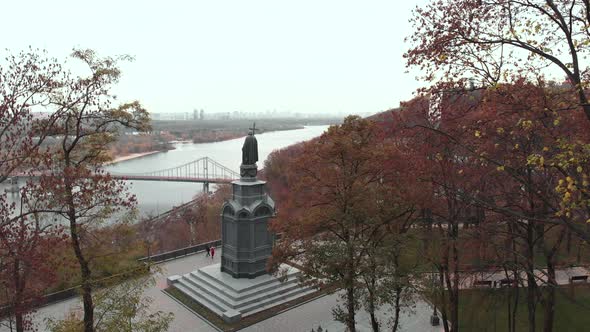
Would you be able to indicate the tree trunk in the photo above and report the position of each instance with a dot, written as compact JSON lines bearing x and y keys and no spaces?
{"x":371,"y":301}
{"x":350,"y":300}
{"x":454,"y":299}
{"x":398,"y":293}
{"x":19,"y":322}
{"x":579,"y":253}
{"x":514,"y":290}
{"x":583,"y":100}
{"x":452,"y":280}
{"x":374,"y":321}
{"x":19,"y":287}
{"x":551,"y":283}
{"x":84,"y":266}
{"x":443,"y":304}
{"x":86,"y":282}
{"x":569,"y":241}
{"x":530,"y":273}
{"x":350,"y":321}
{"x":550,"y":300}
{"x":516,"y":294}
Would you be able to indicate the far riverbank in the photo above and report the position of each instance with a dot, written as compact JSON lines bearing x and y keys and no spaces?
{"x":219,"y":136}
{"x":131,"y":156}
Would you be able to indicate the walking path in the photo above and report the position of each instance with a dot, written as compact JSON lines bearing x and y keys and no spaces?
{"x":303,"y":318}
{"x":498,"y":278}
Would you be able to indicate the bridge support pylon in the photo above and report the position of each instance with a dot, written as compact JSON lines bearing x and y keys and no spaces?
{"x":206,"y":187}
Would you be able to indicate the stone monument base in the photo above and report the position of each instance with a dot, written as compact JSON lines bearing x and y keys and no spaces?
{"x":232,"y":298}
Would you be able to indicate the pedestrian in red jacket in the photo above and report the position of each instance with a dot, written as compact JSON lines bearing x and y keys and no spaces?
{"x":212,"y":250}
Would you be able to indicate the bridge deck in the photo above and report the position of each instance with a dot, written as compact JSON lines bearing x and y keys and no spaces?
{"x":170,"y":178}
{"x":203,"y":170}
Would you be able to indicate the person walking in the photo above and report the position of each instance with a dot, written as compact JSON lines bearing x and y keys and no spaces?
{"x":208,"y":251}
{"x":212,"y":252}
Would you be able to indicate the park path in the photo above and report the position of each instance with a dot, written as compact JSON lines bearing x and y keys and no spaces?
{"x":497,"y":278}
{"x":302,"y":318}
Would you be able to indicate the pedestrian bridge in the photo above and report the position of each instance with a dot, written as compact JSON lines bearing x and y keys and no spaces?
{"x":201,"y":170}
{"x":204,"y":170}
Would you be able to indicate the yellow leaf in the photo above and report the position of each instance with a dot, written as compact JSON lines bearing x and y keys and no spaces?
{"x":500,"y":168}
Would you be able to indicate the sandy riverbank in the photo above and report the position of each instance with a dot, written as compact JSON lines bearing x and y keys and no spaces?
{"x":131,"y":156}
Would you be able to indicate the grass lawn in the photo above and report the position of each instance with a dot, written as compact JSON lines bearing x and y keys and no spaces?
{"x":486,"y":310}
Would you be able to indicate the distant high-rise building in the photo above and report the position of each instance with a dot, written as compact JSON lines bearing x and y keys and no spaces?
{"x":202,"y":115}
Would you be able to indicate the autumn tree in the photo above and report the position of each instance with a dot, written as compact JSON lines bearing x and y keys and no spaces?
{"x":341,"y":202}
{"x":26,"y":267}
{"x":503,"y":41}
{"x":197,"y":215}
{"x":521,"y":125}
{"x":123,"y":307}
{"x":493,"y":40}
{"x":77,"y":188}
{"x":28,"y":80}
{"x":499,"y":150}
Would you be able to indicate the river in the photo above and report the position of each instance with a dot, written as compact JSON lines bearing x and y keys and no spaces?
{"x":155,"y":197}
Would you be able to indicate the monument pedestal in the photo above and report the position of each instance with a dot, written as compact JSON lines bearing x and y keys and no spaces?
{"x":246,"y":241}
{"x":240,"y":285}
{"x":233,"y":298}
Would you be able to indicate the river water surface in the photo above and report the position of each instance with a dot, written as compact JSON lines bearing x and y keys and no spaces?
{"x":155,"y":197}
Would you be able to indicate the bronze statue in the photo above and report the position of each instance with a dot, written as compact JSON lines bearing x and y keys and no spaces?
{"x":250,"y":148}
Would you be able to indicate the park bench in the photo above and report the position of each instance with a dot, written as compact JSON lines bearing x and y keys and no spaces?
{"x":483,"y":283}
{"x":579,"y":278}
{"x":507,"y":282}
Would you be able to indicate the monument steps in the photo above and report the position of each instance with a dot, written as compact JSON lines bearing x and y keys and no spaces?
{"x":237,"y":303}
{"x":213,"y":293}
{"x":218,"y":293}
{"x":242,"y":294}
{"x":209,"y":277}
{"x":227,"y":296}
{"x":264,"y":302}
{"x":211,"y":305}
{"x":270,"y":302}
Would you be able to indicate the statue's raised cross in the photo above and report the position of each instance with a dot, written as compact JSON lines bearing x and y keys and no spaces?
{"x":253,"y":128}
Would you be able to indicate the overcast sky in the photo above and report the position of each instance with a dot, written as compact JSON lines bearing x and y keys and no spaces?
{"x":244,"y":55}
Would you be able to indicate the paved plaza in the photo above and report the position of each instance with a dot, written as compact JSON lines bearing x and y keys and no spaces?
{"x":301,"y":318}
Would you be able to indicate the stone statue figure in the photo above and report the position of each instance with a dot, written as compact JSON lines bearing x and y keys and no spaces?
{"x":250,"y":148}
